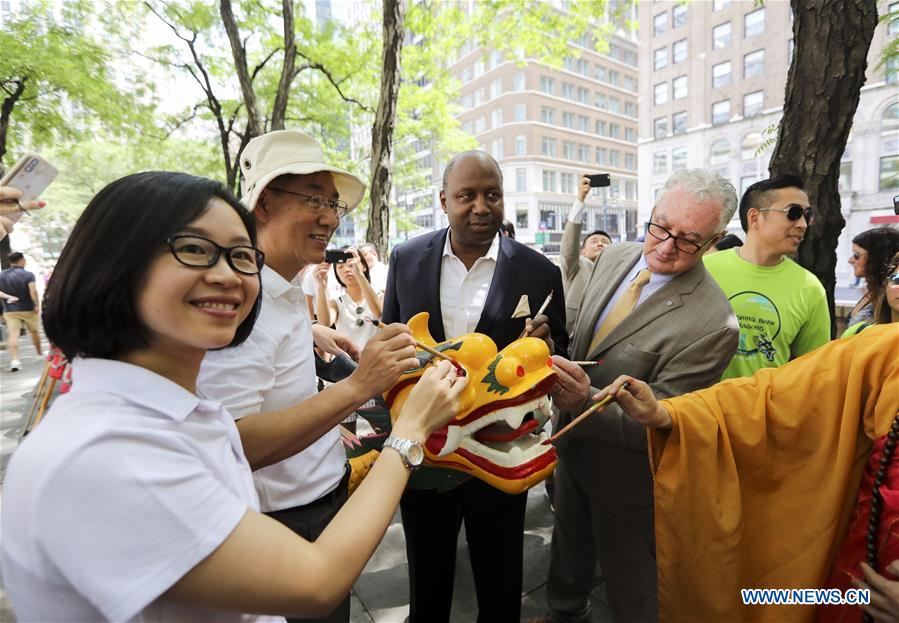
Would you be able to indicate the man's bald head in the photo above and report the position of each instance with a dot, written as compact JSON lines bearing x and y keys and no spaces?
{"x":473,"y":153}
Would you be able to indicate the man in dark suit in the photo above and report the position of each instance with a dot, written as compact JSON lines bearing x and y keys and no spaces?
{"x":469,"y":278}
{"x":652,"y":311}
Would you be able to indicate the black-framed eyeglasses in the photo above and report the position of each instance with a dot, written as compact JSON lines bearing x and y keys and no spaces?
{"x":200,"y":252}
{"x":319,"y":202}
{"x":794,"y":212}
{"x":682,"y":244}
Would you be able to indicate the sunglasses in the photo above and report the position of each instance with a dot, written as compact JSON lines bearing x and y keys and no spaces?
{"x":857,"y":256}
{"x":794,"y":212}
{"x":893,"y":280}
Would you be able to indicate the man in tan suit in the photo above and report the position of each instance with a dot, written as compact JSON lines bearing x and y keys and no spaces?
{"x":576,"y":259}
{"x":651,"y":311}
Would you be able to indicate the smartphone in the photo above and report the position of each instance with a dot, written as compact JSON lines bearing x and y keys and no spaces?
{"x":599,"y":180}
{"x":332,"y":256}
{"x":32,"y":174}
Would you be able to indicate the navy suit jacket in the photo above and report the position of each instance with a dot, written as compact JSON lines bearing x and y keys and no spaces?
{"x":413,"y":286}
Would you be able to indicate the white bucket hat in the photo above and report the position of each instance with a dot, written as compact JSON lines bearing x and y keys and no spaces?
{"x":290,"y":152}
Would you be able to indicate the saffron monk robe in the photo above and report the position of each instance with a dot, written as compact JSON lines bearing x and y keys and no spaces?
{"x":756,"y":478}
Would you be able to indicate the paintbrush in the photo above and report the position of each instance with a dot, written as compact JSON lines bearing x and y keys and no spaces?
{"x":424,"y":347}
{"x":594,"y":409}
{"x":542,"y":309}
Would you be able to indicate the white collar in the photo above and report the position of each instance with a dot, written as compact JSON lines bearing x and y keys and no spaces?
{"x":134,"y":384}
{"x":277,"y":286}
{"x":492,"y":252}
{"x":654,"y":278}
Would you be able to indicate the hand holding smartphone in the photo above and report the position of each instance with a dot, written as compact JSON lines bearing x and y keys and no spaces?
{"x":23,"y":184}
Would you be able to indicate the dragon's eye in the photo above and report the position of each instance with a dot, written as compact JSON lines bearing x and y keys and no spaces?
{"x":519,"y":370}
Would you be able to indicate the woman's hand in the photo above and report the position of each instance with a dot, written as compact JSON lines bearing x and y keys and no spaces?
{"x":884,"y":606}
{"x":355,"y":263}
{"x":321,"y":273}
{"x":638,"y":401}
{"x":433,"y":402}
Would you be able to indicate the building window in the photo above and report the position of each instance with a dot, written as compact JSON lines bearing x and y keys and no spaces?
{"x":547,"y":85}
{"x":659,"y":163}
{"x":521,"y":216}
{"x":754,"y":23}
{"x":889,"y":172}
{"x":660,"y":58}
{"x":753,"y":103}
{"x":600,"y":100}
{"x":614,"y":158}
{"x":630,"y":162}
{"x":721,"y":36}
{"x":630,"y":135}
{"x":547,"y":115}
{"x":519,"y":81}
{"x":893,"y":27}
{"x":480,"y":124}
{"x":521,"y":145}
{"x":568,"y":90}
{"x":660,"y":93}
{"x":583,"y":152}
{"x":614,"y":130}
{"x":721,"y":112}
{"x":614,"y":78}
{"x":480,"y":96}
{"x":660,"y":127}
{"x":614,"y":104}
{"x":754,"y":64}
{"x":568,"y":119}
{"x":679,"y":51}
{"x":549,"y":181}
{"x":719,"y":153}
{"x":678,"y":158}
{"x":720,"y":5}
{"x":496,"y":118}
{"x":568,"y":150}
{"x":891,"y":71}
{"x":679,"y":123}
{"x":521,"y":180}
{"x":601,"y":155}
{"x":660,"y":24}
{"x":721,"y":75}
{"x":496,"y":148}
{"x":583,"y":95}
{"x":630,"y":83}
{"x":750,"y":146}
{"x":548,"y":146}
{"x":583,"y":123}
{"x":566,"y":183}
{"x":601,"y":73}
{"x":679,"y":87}
{"x":521,"y":112}
{"x":678,"y":15}
{"x":602,"y":128}
{"x":889,"y":145}
{"x":496,"y":88}
{"x":630,"y":109}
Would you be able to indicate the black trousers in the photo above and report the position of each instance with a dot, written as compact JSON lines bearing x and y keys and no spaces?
{"x":494,"y":529}
{"x":309,"y":521}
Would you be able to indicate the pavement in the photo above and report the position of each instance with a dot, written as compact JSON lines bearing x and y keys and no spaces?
{"x":381,"y":594}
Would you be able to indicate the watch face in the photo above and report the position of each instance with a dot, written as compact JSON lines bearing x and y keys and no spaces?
{"x":415,"y":454}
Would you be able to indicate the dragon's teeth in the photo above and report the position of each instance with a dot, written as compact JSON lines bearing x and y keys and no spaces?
{"x":453,"y":439}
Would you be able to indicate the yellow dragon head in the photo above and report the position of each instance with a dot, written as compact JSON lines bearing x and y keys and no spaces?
{"x":496,"y":435}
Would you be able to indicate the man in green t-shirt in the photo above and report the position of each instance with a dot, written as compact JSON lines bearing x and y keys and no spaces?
{"x":781,"y":307}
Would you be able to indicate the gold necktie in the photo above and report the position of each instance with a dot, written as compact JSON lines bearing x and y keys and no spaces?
{"x":623,"y":306}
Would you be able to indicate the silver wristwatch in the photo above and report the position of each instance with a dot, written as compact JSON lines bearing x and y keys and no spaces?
{"x":411,"y":451}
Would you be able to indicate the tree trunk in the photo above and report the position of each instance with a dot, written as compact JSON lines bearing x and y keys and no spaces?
{"x":254,"y":124}
{"x":831,"y":41}
{"x":279,"y":109}
{"x":382,"y":132}
{"x":5,"y":116}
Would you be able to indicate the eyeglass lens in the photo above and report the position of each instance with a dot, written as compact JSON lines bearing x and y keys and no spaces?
{"x":195,"y":251}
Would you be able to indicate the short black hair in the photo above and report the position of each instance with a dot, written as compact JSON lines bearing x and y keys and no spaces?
{"x":90,"y":304}
{"x":881,"y":243}
{"x":508,"y":228}
{"x":361,"y":259}
{"x":728,"y":242}
{"x":595,"y":232}
{"x":15,"y":256}
{"x":755,"y":195}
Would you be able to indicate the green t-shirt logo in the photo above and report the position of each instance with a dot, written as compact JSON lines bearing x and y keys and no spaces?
{"x":759,"y":324}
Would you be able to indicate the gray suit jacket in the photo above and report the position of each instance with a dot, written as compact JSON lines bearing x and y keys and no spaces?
{"x":575,"y":270}
{"x":678,"y":340}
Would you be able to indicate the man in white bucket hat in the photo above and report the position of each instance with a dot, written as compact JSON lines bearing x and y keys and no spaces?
{"x":298,"y":201}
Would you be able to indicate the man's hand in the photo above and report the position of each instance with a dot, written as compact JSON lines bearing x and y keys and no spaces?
{"x":538,"y":327}
{"x":637,"y":401}
{"x":387,"y":355}
{"x":884,"y":606}
{"x":334,"y":342}
{"x":583,"y":187}
{"x":572,"y":386}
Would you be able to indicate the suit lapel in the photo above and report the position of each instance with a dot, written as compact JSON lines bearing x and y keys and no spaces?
{"x":427,"y":282}
{"x":599,"y":291}
{"x":502,"y":287}
{"x":664,"y":300}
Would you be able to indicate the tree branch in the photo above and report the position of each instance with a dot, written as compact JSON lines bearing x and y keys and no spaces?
{"x":310,"y":64}
{"x":279,"y":108}
{"x":240,"y":64}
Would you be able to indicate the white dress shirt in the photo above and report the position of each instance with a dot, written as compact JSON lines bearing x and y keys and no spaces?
{"x":129,"y":482}
{"x":463,"y":292}
{"x":656,"y":281}
{"x":274,"y":369}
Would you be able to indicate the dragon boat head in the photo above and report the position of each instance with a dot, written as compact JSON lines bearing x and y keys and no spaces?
{"x":497,"y":434}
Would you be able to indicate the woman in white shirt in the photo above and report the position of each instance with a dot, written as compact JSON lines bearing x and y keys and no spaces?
{"x":133,"y":500}
{"x":356,"y":301}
